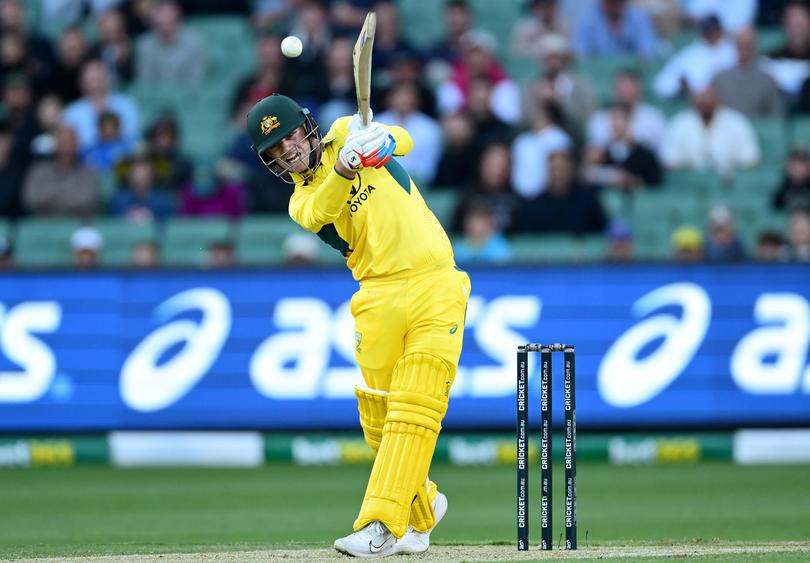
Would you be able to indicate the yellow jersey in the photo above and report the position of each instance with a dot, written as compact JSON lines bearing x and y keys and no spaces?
{"x":378,"y":220}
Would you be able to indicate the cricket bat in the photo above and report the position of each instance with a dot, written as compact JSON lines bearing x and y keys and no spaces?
{"x":361,"y":60}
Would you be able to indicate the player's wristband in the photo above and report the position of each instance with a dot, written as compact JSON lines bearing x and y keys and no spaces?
{"x":338,"y":172}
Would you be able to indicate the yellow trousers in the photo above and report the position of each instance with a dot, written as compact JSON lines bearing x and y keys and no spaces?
{"x":408,"y":338}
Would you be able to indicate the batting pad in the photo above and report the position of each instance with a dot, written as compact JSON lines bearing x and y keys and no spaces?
{"x":417,"y":402}
{"x":422,"y":518}
{"x":373,"y":405}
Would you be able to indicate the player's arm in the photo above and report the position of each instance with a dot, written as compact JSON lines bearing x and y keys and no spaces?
{"x":314,"y":206}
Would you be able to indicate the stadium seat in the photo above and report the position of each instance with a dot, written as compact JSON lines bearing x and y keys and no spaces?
{"x":772,"y":136}
{"x":529,"y":249}
{"x":120,"y":237}
{"x":259,"y":238}
{"x":443,"y":203}
{"x":186,"y":240}
{"x":44,"y":242}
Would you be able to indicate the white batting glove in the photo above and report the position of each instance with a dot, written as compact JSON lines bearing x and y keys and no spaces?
{"x":363,"y":141}
{"x":356,"y":123}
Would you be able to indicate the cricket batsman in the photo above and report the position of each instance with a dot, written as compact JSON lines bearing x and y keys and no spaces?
{"x":408,"y":312}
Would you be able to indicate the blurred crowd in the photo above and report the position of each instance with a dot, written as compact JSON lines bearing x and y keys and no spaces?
{"x":527,"y":153}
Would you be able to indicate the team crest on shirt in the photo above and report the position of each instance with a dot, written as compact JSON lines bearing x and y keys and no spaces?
{"x":269,"y":122}
{"x":358,"y":338}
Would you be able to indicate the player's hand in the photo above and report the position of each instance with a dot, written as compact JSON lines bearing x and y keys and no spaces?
{"x":356,"y":123}
{"x":378,"y":152}
{"x":368,"y":147}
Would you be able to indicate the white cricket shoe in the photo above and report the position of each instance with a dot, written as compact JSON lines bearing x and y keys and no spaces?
{"x":419,"y":542}
{"x":373,"y":540}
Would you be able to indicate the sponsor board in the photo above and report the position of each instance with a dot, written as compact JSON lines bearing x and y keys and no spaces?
{"x":662,"y":345}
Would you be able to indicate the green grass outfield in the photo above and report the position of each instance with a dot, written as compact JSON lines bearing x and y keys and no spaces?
{"x":101,"y":511}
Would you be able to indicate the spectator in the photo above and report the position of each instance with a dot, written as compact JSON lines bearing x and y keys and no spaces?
{"x":666,"y":15}
{"x":49,"y":118}
{"x":137,"y":15}
{"x":388,"y":40}
{"x":37,"y":49}
{"x":6,"y":254}
{"x":83,"y":114}
{"x":457,"y":23}
{"x":789,"y":63}
{"x":86,"y":244}
{"x":799,"y":237}
{"x":221,"y":255}
{"x":341,"y":97}
{"x":12,"y":172}
{"x":270,"y":14}
{"x":300,"y":249}
{"x":403,"y":110}
{"x":62,"y":187}
{"x":478,"y":63}
{"x":794,"y":192}
{"x":770,"y":247}
{"x":211,"y":194}
{"x":141,"y":199}
{"x":723,"y":244}
{"x":531,"y":150}
{"x":745,"y":87}
{"x":566,"y":205}
{"x":482,"y":242}
{"x":312,"y":27}
{"x":613,"y":28}
{"x":734,"y":15}
{"x":110,"y":148}
{"x":647,"y":122}
{"x":114,"y":47}
{"x":72,"y":52}
{"x":489,"y":126}
{"x":145,"y":254}
{"x":18,"y":100}
{"x":454,"y":170}
{"x":692,"y":68}
{"x":623,"y":162}
{"x":492,"y":187}
{"x":709,"y":136}
{"x":172,"y":169}
{"x":687,"y":242}
{"x":620,"y":243}
{"x":528,"y":33}
{"x":348,"y":15}
{"x":66,"y":13}
{"x":170,"y":53}
{"x":559,"y":84}
{"x":803,"y":99}
{"x":406,"y":66}
{"x":267,"y":79}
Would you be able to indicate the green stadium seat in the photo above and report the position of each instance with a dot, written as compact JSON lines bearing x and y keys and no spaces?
{"x":44,"y":242}
{"x":617,"y":204}
{"x":531,"y":249}
{"x":666,"y":207}
{"x":651,"y":241}
{"x":800,"y":131}
{"x":443,"y":203}
{"x":773,"y":140}
{"x":186,"y":240}
{"x":120,"y":237}
{"x":260,"y":237}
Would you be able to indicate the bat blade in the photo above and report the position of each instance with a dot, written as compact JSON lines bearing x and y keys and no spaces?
{"x":361,"y":59}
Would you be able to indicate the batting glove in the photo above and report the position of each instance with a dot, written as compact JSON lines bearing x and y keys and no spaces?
{"x":367,"y":147}
{"x":378,"y":154}
{"x":356,"y":123}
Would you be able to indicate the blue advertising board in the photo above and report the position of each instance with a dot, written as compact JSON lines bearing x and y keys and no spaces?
{"x":657,"y":346}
